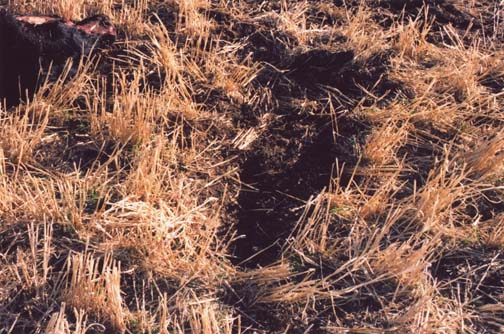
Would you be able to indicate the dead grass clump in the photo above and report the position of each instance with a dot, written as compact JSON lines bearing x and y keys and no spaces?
{"x":436,"y":199}
{"x":127,"y":121}
{"x":95,"y":288}
{"x":21,"y":135}
{"x":486,"y":159}
{"x":383,"y":143}
{"x":363,"y":33}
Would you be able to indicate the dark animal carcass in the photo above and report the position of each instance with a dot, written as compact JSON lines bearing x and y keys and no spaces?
{"x":30,"y":45}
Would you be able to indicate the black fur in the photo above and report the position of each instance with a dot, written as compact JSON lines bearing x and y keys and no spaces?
{"x":27,"y":51}
{"x":18,"y":59}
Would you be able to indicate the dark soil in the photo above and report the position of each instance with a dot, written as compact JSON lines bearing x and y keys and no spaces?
{"x":293,"y":161}
{"x":442,"y":13}
{"x":283,"y":175}
{"x":478,"y":275}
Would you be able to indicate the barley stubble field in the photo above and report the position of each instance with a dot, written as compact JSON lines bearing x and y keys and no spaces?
{"x":260,"y":167}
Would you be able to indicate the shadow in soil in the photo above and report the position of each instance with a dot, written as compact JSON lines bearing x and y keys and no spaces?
{"x":282,"y":176}
{"x":294,"y":158}
{"x":478,"y":18}
{"x":442,"y":11}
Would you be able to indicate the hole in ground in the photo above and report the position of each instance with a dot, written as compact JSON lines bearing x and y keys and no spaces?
{"x":282,"y":173}
{"x":294,"y":158}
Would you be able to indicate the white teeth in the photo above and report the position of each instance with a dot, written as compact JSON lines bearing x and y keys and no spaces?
{"x":35,"y":20}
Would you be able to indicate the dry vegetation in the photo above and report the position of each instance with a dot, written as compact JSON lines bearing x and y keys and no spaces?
{"x":261,"y":167}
